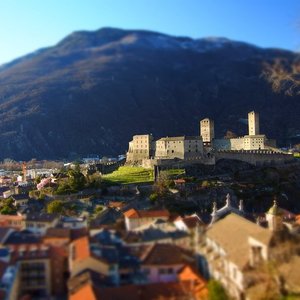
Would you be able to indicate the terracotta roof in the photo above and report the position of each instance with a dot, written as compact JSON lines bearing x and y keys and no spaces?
{"x":166,"y":254}
{"x":232,"y":232}
{"x":11,"y":217}
{"x":134,"y":214}
{"x":189,"y":274}
{"x":116,"y":204}
{"x":170,"y":290}
{"x":178,"y":181}
{"x":191,"y":221}
{"x":81,"y":249}
{"x":87,"y":292}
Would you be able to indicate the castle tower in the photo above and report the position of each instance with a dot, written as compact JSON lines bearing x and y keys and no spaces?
{"x":207,"y":130}
{"x":274,"y":217}
{"x":253,"y":123}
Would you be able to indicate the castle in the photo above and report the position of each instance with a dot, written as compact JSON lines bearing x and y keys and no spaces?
{"x":144,"y":150}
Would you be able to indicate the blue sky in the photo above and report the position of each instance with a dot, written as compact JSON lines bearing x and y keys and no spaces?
{"x":27,"y":25}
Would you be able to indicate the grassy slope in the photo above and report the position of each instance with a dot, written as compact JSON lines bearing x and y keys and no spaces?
{"x":126,"y":175}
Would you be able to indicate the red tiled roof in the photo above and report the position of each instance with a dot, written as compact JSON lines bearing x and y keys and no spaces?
{"x":134,"y":214}
{"x":191,"y":221}
{"x":166,"y":254}
{"x":166,"y":291}
{"x":179,"y":181}
{"x":115,"y":204}
{"x":81,"y":248}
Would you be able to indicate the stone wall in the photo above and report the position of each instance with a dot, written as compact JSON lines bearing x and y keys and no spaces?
{"x":256,"y":157}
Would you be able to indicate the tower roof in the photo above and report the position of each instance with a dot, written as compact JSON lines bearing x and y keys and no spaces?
{"x":275,"y":210}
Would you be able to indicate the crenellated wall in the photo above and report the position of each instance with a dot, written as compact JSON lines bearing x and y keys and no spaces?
{"x":255,"y":157}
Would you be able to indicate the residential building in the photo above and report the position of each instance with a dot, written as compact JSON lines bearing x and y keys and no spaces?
{"x":162,"y":262}
{"x":40,"y":222}
{"x":137,"y":218}
{"x":87,"y":255}
{"x":237,"y":253}
{"x":20,"y":199}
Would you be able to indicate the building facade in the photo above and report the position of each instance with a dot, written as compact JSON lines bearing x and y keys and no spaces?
{"x":207,"y":130}
{"x":253,"y":123}
{"x":141,"y":147}
{"x":182,"y":147}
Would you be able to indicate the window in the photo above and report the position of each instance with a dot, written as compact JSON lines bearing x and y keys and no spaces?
{"x":161,"y":271}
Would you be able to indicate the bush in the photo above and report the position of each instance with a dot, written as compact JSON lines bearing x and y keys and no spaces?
{"x":55,"y":206}
{"x":153,"y":197}
{"x":216,"y":291}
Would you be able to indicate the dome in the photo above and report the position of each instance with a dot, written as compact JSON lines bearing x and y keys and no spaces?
{"x":275,"y":210}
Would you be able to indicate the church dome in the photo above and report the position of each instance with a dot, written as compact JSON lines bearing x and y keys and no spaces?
{"x":275,"y":210}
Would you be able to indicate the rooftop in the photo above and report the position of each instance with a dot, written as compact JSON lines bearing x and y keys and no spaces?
{"x":166,"y":254}
{"x":41,"y":217}
{"x":231,"y":233}
{"x":180,"y":138}
{"x":170,"y":290}
{"x":135,"y":214}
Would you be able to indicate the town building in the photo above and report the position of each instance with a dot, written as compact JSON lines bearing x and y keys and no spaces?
{"x":137,"y":218}
{"x":162,"y":262}
{"x":39,"y":222}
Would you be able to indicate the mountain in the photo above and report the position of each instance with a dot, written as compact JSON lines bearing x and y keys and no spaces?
{"x":93,"y":90}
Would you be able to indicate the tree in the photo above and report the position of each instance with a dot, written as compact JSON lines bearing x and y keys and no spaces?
{"x":7,"y":207}
{"x":94,"y":180}
{"x":216,"y":291}
{"x":161,"y":186}
{"x":284,"y":76}
{"x":76,"y":179}
{"x":153,"y":197}
{"x":55,"y":206}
